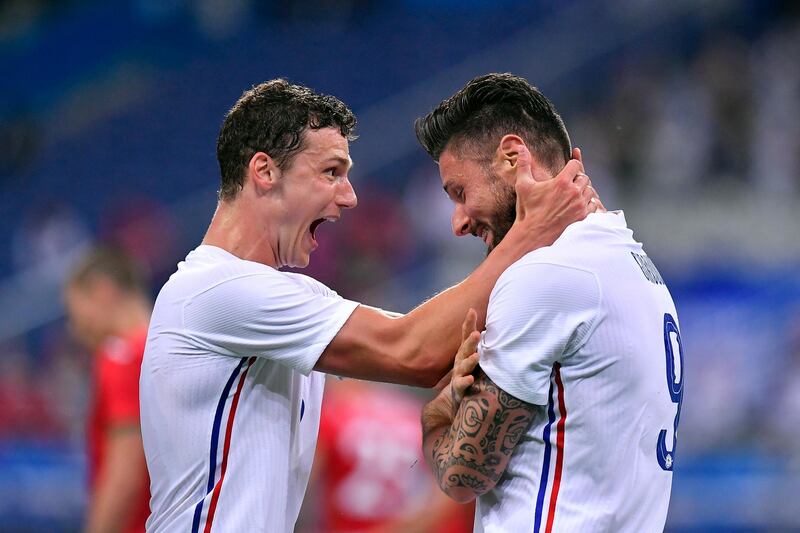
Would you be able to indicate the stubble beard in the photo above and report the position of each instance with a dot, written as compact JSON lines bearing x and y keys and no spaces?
{"x":506,"y":213}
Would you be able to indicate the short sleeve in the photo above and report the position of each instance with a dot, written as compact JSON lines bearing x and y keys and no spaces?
{"x":539,"y":314}
{"x":287,"y":318}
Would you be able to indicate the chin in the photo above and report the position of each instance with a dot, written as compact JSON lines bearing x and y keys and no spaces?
{"x":301,"y":262}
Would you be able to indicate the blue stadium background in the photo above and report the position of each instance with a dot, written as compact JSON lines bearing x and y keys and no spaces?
{"x":688,"y":114}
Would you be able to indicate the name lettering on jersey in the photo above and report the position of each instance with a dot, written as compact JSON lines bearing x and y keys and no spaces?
{"x":648,"y":268}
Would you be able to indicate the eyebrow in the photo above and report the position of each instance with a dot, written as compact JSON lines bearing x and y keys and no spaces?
{"x":347,"y":162}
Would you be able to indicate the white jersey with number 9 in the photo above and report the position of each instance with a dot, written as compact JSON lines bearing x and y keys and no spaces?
{"x":587,"y":329}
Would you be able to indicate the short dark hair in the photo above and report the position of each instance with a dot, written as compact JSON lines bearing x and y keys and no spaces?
{"x":111,"y":263}
{"x":273,"y":117}
{"x":489,"y":107}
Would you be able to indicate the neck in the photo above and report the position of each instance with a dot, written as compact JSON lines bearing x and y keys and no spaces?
{"x":237,"y":228}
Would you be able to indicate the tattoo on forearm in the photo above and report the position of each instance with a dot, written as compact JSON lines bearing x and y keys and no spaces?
{"x":474,"y":451}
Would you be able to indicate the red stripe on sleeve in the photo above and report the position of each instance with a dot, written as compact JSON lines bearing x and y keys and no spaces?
{"x":218,"y":487}
{"x":562,"y":408}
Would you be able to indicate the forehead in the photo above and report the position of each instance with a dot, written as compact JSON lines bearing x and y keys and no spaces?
{"x":326,"y":143}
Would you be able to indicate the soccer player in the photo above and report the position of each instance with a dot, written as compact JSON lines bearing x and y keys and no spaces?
{"x":108,"y":310}
{"x":570,"y":424}
{"x":230,"y":400}
{"x":369,"y":472}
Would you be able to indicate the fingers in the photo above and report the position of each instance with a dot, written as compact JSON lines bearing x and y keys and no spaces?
{"x":466,"y":365}
{"x":576,"y":154}
{"x":592,"y":200}
{"x":469,"y":345}
{"x":444,"y":382}
{"x":526,"y":186}
{"x":470,"y":324}
{"x":462,"y":377}
{"x":466,"y":359}
{"x":571,"y":170}
{"x":523,"y":187}
{"x":460,"y":386}
{"x":581,"y":180}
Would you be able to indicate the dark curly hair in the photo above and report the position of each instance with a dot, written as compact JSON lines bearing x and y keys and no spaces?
{"x":272,"y":118}
{"x":488,"y":107}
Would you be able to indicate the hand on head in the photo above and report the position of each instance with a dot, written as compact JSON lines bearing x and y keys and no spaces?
{"x":576,"y":154}
{"x":546,"y":208}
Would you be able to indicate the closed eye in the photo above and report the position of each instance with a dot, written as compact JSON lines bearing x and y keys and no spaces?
{"x":454,"y":192}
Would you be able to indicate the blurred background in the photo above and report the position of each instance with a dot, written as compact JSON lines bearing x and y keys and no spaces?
{"x":688,"y":114}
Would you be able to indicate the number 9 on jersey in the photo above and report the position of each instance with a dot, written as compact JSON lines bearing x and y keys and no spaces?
{"x":672,"y":339}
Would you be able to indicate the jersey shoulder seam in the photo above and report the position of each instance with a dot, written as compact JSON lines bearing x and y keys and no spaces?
{"x":215,"y":285}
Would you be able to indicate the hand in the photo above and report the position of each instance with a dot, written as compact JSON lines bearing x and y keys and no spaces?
{"x":466,"y":359}
{"x":546,"y":208}
{"x":442,"y":409}
{"x":576,"y":154}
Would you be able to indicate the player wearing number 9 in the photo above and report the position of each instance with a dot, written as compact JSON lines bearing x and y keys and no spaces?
{"x":569,"y":425}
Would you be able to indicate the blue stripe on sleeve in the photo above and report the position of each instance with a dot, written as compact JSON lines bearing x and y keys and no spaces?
{"x":546,"y":463}
{"x":212,"y":467}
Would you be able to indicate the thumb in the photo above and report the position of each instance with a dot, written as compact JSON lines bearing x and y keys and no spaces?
{"x":576,"y":154}
{"x":523,"y":185}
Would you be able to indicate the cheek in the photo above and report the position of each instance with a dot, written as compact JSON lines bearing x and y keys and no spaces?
{"x":477,"y":208}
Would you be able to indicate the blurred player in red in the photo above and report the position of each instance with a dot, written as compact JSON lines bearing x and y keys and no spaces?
{"x":108,"y":311}
{"x":369,"y":471}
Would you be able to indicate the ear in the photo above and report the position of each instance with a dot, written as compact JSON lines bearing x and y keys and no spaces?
{"x":263,"y":172}
{"x":517,"y":159}
{"x":512,"y":158}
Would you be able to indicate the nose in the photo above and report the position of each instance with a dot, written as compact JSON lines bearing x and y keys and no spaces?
{"x":346,"y":196}
{"x":460,"y":222}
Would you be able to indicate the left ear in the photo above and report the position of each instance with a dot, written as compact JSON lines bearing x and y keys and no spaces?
{"x":513,"y":158}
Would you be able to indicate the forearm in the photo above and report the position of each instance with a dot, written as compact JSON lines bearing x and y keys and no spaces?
{"x":415,"y":349}
{"x":438,"y":437}
{"x":469,"y":451}
{"x":433,"y":332}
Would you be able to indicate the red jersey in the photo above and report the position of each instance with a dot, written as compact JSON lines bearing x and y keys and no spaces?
{"x":115,"y":400}
{"x":372,"y":471}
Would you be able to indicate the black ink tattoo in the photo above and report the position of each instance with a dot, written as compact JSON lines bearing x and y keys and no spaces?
{"x":474,"y":451}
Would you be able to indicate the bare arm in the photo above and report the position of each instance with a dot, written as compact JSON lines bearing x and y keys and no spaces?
{"x":120,"y":482}
{"x":469,"y":453}
{"x":471,"y":428}
{"x":417,"y":348}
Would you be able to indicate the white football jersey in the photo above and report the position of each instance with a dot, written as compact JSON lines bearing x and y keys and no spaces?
{"x":229,"y":403}
{"x":587,"y":329}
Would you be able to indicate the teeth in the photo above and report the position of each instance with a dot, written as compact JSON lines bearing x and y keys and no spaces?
{"x":331,"y":219}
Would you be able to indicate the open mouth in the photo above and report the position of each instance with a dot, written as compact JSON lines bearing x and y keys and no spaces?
{"x":317,"y":223}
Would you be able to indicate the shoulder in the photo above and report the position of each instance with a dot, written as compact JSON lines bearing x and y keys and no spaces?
{"x":546,"y":274}
{"x":309,"y":283}
{"x":246,"y":278}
